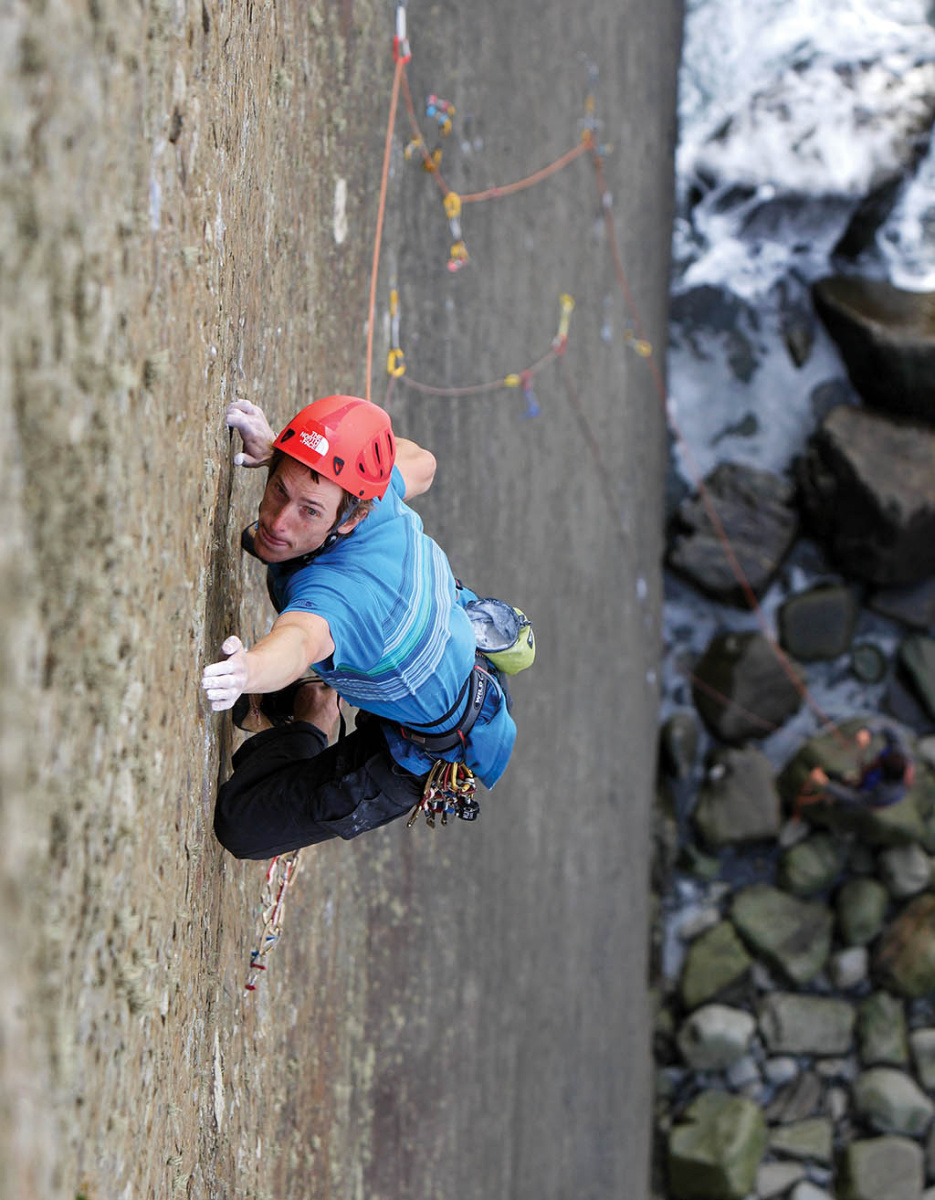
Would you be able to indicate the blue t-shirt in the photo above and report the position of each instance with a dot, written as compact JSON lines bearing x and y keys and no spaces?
{"x":403,"y":644}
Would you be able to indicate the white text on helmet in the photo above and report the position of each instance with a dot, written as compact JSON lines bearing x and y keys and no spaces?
{"x":314,"y":441}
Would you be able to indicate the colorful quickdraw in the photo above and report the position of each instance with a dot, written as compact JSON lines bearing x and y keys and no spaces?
{"x":395,"y":360}
{"x":280,"y":874}
{"x":442,"y":111}
{"x":560,"y":341}
{"x":449,"y":791}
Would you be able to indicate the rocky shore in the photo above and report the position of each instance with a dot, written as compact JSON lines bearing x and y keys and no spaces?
{"x":794,"y":946}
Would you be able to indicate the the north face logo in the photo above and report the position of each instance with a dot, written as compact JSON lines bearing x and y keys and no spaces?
{"x":314,"y":441}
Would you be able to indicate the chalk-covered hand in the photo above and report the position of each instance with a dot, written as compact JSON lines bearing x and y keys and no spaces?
{"x":250,"y":422}
{"x":225,"y":681}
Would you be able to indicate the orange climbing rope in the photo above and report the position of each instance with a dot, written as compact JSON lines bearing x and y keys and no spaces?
{"x":394,"y":99}
{"x":494,"y":193}
{"x":508,"y":381}
{"x":491,"y":193}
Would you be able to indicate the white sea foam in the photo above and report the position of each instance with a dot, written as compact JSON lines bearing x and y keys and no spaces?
{"x":791,"y":112}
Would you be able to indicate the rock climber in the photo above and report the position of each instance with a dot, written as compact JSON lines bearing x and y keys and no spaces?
{"x":879,"y":783}
{"x":367,"y":602}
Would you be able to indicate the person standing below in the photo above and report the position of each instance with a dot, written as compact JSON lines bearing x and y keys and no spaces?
{"x":367,"y":600}
{"x":879,"y":783}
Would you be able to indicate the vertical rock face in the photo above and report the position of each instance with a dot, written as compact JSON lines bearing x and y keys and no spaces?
{"x":869,"y":490}
{"x":887,"y":339}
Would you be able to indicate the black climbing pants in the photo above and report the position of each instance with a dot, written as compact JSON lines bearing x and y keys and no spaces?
{"x":290,"y":789}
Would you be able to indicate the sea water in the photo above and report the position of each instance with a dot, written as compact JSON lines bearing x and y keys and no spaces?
{"x":791,"y":113}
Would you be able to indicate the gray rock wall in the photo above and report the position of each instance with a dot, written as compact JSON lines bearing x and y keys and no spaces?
{"x":452,"y":1013}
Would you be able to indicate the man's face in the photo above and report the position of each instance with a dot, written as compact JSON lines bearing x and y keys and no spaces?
{"x":296,"y":513}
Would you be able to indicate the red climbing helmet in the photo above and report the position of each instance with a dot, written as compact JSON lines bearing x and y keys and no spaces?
{"x":345,"y":439}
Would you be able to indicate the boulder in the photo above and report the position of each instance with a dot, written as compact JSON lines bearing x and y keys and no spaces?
{"x":922,"y":1042}
{"x":803,"y":1140}
{"x":806,"y":1190}
{"x":861,"y":906}
{"x":756,"y":513}
{"x":883,"y":1168}
{"x":819,"y":623}
{"x":869,"y":664}
{"x":887,"y":340}
{"x":781,"y":1070}
{"x":798,"y":1024}
{"x":713,"y":962}
{"x":796,"y":1100}
{"x":905,"y":953}
{"x":903,"y":703}
{"x":741,"y":688}
{"x":869,"y":492}
{"x":776,"y":1178}
{"x":715,"y":1036}
{"x":916,"y":662}
{"x":847,"y":969}
{"x":890,"y":1101}
{"x":913,"y":605}
{"x":738,"y":801}
{"x":791,"y":935}
{"x":881,"y":1031}
{"x":744,"y":1076}
{"x":715,"y":1150}
{"x":905,"y":870}
{"x":678,"y":745}
{"x":812,"y":865}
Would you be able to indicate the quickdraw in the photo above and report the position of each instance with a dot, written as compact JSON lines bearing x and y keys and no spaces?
{"x":457,"y":255}
{"x":449,"y":791}
{"x":532,"y":403}
{"x":280,"y":874}
{"x":401,"y":50}
{"x":396,"y":359}
{"x":560,"y":341}
{"x":442,"y":111}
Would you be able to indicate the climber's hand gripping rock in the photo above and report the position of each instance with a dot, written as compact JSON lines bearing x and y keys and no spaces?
{"x":250,"y":422}
{"x":224,"y":681}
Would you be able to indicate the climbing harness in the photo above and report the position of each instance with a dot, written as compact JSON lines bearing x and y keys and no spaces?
{"x":280,"y":875}
{"x":474,"y":689}
{"x":449,"y":791}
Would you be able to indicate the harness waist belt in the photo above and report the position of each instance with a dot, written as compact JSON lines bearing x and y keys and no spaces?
{"x":434,"y":743}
